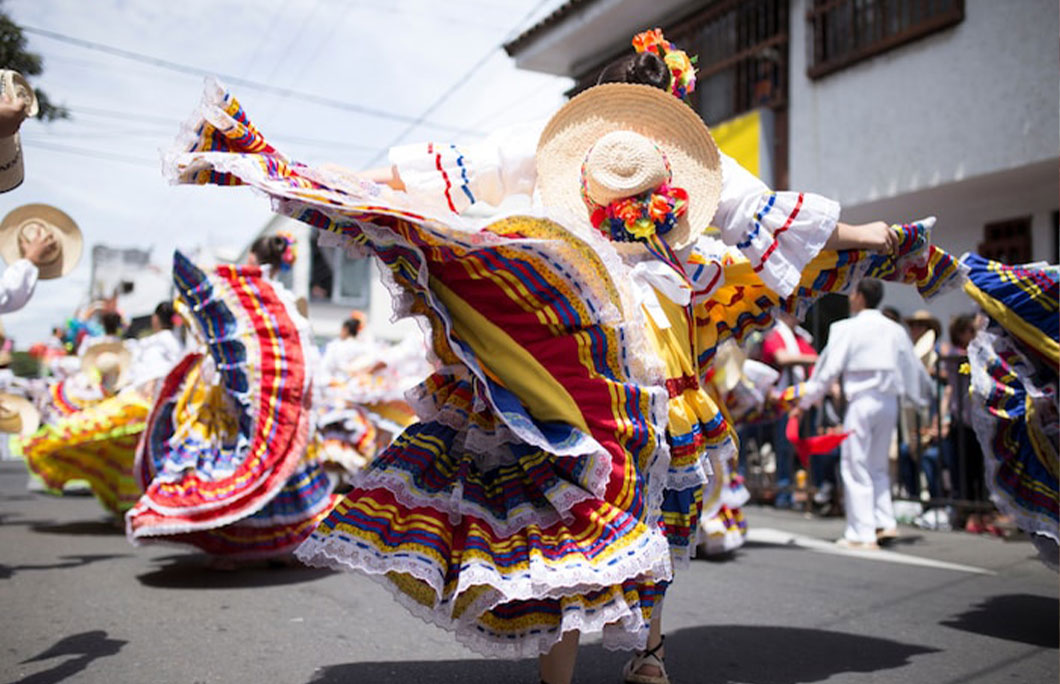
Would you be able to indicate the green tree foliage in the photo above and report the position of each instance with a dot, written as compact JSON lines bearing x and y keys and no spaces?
{"x":13,"y":55}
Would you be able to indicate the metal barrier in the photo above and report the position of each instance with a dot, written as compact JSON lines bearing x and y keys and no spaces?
{"x":938,"y":465}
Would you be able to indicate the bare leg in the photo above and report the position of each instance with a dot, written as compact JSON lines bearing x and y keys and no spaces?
{"x":654,"y":637}
{"x":557,"y":666}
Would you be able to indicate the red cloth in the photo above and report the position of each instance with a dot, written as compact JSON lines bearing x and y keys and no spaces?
{"x":774,"y":343}
{"x":808,"y":446}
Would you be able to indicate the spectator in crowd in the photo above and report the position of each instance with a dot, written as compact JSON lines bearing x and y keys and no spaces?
{"x":112,"y":324}
{"x":789,"y":349}
{"x":965,"y":456}
{"x":874,"y":359}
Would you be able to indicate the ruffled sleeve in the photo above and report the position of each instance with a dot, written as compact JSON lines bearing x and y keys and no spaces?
{"x":779,"y":232}
{"x":17,"y":285}
{"x":457,"y":176}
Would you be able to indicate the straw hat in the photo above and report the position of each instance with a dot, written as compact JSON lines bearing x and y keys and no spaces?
{"x":924,"y":348}
{"x":111,"y":361}
{"x":27,"y":222}
{"x":623,"y":136}
{"x":17,"y":415}
{"x":925,"y":318}
{"x":13,"y":86}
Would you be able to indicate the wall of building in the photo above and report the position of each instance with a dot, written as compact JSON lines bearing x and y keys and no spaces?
{"x":977,"y":98}
{"x":962,"y":125}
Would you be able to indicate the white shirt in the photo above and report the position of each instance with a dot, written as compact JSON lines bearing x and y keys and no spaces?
{"x":17,"y":284}
{"x":340,"y":355}
{"x":872,"y":353}
{"x":155,"y":355}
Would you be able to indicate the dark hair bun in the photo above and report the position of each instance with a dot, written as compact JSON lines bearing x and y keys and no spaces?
{"x":645,"y":68}
{"x":269,"y":250}
{"x":649,"y":69}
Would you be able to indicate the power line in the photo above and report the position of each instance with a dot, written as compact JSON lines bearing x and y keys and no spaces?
{"x":242,"y":82}
{"x":167,"y":125}
{"x":93,"y":154}
{"x":454,"y":87}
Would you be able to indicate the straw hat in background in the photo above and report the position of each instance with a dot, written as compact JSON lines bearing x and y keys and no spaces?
{"x":924,"y":345}
{"x":620,"y":140}
{"x":28,"y":221}
{"x":13,"y":86}
{"x":925,"y":318}
{"x":109,"y":362}
{"x":17,"y":415}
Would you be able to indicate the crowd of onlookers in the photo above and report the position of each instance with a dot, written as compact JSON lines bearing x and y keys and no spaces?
{"x":935,"y":461}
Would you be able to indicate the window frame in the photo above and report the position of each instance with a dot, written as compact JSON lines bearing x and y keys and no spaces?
{"x":816,"y":28}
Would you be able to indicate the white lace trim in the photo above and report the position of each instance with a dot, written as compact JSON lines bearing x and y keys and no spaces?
{"x":648,"y":563}
{"x":985,"y":347}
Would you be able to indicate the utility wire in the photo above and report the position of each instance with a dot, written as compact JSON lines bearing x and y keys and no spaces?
{"x":243,"y":82}
{"x":93,"y":154}
{"x":455,"y":86}
{"x":166,"y":125}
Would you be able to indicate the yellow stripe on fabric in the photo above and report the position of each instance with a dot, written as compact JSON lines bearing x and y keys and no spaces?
{"x":1043,"y":449}
{"x":1047,"y":346}
{"x":515,"y":368}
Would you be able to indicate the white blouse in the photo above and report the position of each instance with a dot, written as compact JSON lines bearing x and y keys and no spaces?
{"x":17,"y":284}
{"x":779,"y":232}
{"x":155,"y":355}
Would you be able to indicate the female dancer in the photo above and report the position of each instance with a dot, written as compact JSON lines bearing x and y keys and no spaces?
{"x":97,"y":442}
{"x":223,"y":463}
{"x":1014,"y":362}
{"x":557,"y":472}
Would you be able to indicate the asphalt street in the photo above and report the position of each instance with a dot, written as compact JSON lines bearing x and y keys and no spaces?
{"x":82,"y":605}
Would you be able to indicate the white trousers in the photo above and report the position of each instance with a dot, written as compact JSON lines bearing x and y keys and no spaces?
{"x":871,"y":419}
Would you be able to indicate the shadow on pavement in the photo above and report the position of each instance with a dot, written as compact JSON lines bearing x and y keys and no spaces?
{"x":711,"y":655}
{"x":191,"y":571}
{"x":88,"y":646}
{"x":76,"y":561}
{"x":92,"y":528}
{"x":1026,"y":618}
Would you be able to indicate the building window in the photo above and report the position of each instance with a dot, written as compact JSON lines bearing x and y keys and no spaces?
{"x":337,"y":278}
{"x":1007,"y":241}
{"x":844,"y":32}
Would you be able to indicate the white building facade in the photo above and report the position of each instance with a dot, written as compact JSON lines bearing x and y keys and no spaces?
{"x":897,"y":109}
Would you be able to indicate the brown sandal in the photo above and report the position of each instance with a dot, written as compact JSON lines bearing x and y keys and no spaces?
{"x":641,"y":658}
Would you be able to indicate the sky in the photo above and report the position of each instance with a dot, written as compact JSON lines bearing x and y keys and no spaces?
{"x":396,"y":58}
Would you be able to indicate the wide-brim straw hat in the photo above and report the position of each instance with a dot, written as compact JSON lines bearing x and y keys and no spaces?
{"x":674,"y":128}
{"x":924,"y":348}
{"x":111,"y":360}
{"x":13,"y":86}
{"x":17,"y":415}
{"x":28,"y":220}
{"x":925,"y":318}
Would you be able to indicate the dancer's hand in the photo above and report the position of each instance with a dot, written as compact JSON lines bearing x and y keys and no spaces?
{"x":878,"y":237}
{"x":12,"y":114}
{"x":37,"y":248}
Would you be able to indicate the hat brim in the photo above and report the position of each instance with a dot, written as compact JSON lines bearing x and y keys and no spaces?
{"x":671,"y":124}
{"x":90,"y":359}
{"x":71,"y":242}
{"x":29,"y":416}
{"x":12,"y":171}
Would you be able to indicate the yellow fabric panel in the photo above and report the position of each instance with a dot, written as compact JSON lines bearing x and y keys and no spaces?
{"x":1049,"y":347}
{"x":740,"y":138}
{"x":514,"y":367}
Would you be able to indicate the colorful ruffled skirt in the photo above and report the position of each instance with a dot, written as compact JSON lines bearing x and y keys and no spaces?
{"x":1013,"y":365}
{"x":558,"y":468}
{"x":225,"y":461}
{"x":96,"y":444}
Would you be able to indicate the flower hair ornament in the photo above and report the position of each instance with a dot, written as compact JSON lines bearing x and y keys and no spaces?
{"x":290,"y":253}
{"x":641,"y":200}
{"x":682,"y":67}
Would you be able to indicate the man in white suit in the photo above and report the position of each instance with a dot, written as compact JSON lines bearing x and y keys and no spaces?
{"x":874,"y":358}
